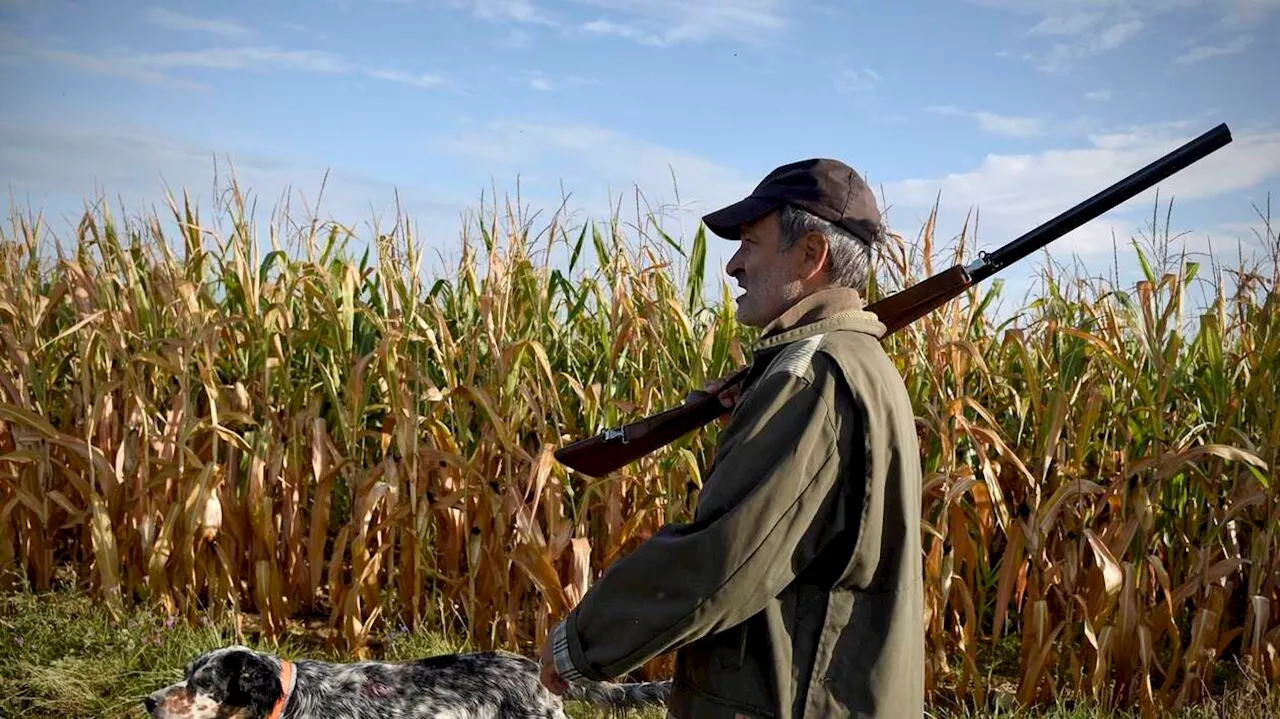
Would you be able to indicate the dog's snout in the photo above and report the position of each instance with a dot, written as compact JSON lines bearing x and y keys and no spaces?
{"x":150,"y":704}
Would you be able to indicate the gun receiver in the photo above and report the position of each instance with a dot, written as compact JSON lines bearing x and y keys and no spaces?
{"x":614,"y":448}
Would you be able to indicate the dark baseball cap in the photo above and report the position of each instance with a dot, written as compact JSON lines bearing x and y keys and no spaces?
{"x":828,"y":188}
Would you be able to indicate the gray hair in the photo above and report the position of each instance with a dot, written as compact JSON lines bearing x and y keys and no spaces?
{"x":848,"y":258}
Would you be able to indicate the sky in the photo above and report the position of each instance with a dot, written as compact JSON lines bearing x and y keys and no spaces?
{"x":1014,"y":109}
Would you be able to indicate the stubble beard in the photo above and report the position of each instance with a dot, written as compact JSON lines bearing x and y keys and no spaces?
{"x":752,"y":314}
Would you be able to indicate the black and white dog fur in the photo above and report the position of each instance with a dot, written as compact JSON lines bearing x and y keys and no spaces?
{"x":238,"y":683}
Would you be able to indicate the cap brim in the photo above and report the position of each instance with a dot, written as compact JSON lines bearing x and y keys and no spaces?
{"x":726,"y":222}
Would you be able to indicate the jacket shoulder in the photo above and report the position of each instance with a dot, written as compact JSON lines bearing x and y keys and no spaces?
{"x":824,"y":353}
{"x":870,"y":373}
{"x":797,"y":359}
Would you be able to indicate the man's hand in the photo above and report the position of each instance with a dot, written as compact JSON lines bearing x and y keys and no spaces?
{"x":728,"y":399}
{"x":551,"y":678}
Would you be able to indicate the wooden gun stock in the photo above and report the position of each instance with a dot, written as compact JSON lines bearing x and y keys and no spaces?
{"x":615,"y":448}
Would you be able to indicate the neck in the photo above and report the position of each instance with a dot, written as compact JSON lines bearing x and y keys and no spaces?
{"x":816,"y":305}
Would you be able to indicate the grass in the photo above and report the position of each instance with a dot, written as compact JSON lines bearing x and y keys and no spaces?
{"x":66,"y":655}
{"x":208,"y":422}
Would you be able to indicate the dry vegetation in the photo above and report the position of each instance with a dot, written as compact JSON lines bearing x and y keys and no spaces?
{"x":205,"y":421}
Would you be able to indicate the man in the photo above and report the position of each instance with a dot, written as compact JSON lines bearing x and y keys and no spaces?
{"x":796,"y":591}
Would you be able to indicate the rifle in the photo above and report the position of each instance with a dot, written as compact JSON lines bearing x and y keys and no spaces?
{"x":616,"y":447}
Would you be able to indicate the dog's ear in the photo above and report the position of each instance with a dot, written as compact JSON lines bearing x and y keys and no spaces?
{"x":254,"y":685}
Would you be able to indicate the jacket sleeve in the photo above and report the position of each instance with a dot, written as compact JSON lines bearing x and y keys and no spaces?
{"x":765,"y":510}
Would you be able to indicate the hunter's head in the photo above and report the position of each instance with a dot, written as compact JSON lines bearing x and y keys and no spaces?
{"x":807,"y":226}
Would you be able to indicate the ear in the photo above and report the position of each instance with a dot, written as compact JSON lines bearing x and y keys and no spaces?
{"x":255,"y":683}
{"x":813,"y":257}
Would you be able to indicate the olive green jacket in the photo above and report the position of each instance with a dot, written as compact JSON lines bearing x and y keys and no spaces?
{"x":797,"y":589}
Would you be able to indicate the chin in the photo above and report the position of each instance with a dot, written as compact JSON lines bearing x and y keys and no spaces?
{"x":749,"y":312}
{"x":749,"y":320}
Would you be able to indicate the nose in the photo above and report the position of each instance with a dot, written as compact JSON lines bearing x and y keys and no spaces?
{"x":150,"y":704}
{"x":733,"y":267}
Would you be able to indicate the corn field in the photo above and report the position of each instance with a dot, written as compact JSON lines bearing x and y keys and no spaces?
{"x":214,"y":420}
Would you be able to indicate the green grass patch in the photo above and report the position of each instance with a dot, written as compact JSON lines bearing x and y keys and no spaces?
{"x":62,"y":655}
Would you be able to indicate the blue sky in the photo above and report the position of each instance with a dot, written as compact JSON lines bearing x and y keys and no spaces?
{"x":1019,"y":109}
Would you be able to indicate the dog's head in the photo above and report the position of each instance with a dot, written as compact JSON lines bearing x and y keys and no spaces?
{"x":229,"y":683}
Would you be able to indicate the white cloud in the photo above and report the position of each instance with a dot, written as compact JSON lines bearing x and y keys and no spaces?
{"x":244,"y":58}
{"x":1200,"y":53}
{"x":24,"y":48}
{"x":1082,"y":29}
{"x":1246,"y":13}
{"x":627,"y":32}
{"x":166,"y":18}
{"x":1094,"y":42}
{"x":670,"y":186}
{"x":673,"y":21}
{"x":539,"y":81}
{"x":153,"y":68}
{"x":1079,"y":28}
{"x":271,"y":58}
{"x":588,"y":154}
{"x":1004,"y":125}
{"x":1098,"y":95}
{"x":648,"y":22}
{"x":859,"y":86}
{"x":1015,"y":193}
{"x":855,"y":80}
{"x":1072,"y":22}
{"x":519,"y":11}
{"x":57,"y":169}
{"x":543,"y":82}
{"x":423,"y":80}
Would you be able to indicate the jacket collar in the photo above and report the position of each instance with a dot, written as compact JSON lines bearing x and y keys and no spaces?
{"x":837,"y":308}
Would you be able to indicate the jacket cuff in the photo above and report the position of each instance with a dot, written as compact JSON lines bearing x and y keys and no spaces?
{"x":560,"y":650}
{"x":566,"y":648}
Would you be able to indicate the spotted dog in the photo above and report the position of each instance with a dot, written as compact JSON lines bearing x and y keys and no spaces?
{"x":239,"y":683}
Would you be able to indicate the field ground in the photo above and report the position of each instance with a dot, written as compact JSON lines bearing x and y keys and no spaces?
{"x":64,"y":656}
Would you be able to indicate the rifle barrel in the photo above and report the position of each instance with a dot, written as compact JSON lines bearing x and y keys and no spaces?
{"x":990,"y":263}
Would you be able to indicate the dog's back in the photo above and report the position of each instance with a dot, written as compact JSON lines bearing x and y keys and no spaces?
{"x":480,"y":685}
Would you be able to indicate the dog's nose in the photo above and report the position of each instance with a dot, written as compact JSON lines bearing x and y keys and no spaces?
{"x":150,"y":704}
